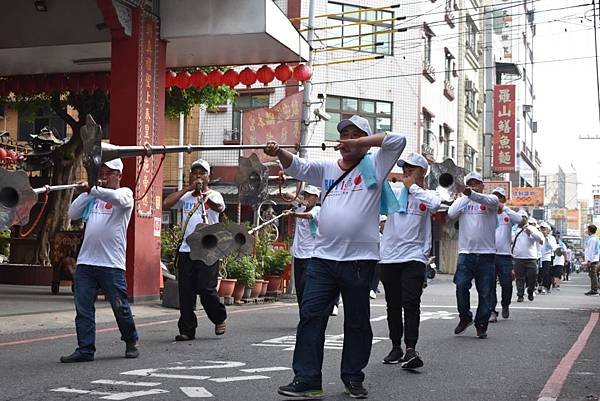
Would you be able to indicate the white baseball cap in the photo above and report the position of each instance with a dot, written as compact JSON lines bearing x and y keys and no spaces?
{"x":523,"y":213}
{"x":382,"y":218}
{"x":115,"y":164}
{"x":358,"y":121}
{"x":499,"y":190}
{"x":414,"y":159}
{"x":201,"y":163}
{"x":310,"y":189}
{"x":473,"y":176}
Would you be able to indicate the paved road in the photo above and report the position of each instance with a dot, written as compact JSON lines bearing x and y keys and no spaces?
{"x":516,"y":362}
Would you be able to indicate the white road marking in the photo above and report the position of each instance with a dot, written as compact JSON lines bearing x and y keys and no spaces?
{"x":271,"y":369}
{"x":288,"y":343}
{"x":237,"y":378}
{"x":425,"y":316}
{"x":110,"y":396}
{"x":196,"y":392}
{"x":474,"y":306}
{"x":151,"y":373}
{"x":123,"y":383}
{"x":154,"y":372}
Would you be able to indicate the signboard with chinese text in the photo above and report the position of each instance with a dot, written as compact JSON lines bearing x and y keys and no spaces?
{"x":504,"y":143}
{"x":596,"y":206}
{"x":280,"y":123}
{"x":146,"y":126}
{"x":527,"y":196}
{"x":573,"y":219}
{"x":489,"y":186}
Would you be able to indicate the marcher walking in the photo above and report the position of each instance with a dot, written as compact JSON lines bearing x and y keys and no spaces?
{"x":592,"y":255}
{"x":346,"y":251}
{"x":405,"y":247}
{"x":503,"y":259}
{"x":106,"y":210}
{"x":524,"y":250}
{"x":200,"y":204}
{"x":548,"y":249}
{"x":559,"y":261}
{"x":476,"y":215}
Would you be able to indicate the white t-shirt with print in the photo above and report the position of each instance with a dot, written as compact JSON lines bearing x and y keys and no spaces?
{"x":105,"y":238}
{"x":407,"y":236}
{"x":304,"y":241}
{"x":548,"y":248}
{"x":477,"y":222}
{"x":527,"y":244}
{"x":187,"y":202}
{"x":349,"y":216}
{"x":504,"y":231}
{"x":560,"y":260}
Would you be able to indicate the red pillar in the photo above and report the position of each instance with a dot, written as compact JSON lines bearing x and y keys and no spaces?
{"x":137,"y":117}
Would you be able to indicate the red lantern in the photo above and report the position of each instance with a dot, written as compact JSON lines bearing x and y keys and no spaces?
{"x":182,"y":80}
{"x":247,"y":77}
{"x":283,"y":72}
{"x":198,"y":79}
{"x":11,"y":155}
{"x":231,"y":78}
{"x":215,"y":78}
{"x":302,"y":73}
{"x":265,"y":74}
{"x":3,"y":154}
{"x":170,"y":79}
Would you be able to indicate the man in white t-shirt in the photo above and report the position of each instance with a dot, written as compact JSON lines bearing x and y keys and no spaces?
{"x":106,"y":210}
{"x":345,"y":253}
{"x":548,"y":248}
{"x":592,"y":256}
{"x":200,"y":204}
{"x":525,"y":243}
{"x":503,"y":259}
{"x":476,"y":215}
{"x":559,"y":261}
{"x":405,"y":248}
{"x":304,"y":235}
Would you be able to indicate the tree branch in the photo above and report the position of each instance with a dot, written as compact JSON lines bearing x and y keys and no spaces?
{"x":62,"y":113}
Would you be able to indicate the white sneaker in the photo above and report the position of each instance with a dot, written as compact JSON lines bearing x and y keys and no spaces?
{"x":372,"y":295}
{"x":335,"y":310}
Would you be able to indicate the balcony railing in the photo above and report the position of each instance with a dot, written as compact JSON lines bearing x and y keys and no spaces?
{"x":449,"y":90}
{"x":429,"y":71}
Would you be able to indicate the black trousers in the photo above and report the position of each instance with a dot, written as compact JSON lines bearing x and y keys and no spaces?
{"x":403,"y":285}
{"x":196,"y":278}
{"x":546,"y":274}
{"x":526,"y":271}
{"x":299,"y":276}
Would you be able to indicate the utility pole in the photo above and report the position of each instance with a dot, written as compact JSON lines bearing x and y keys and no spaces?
{"x":306,"y":103}
{"x":489,"y":93}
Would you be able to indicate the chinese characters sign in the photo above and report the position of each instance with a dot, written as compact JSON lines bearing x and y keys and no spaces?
{"x":527,"y":196}
{"x":596,"y":205}
{"x":281,"y":123}
{"x":147,"y":93}
{"x":504,"y":129}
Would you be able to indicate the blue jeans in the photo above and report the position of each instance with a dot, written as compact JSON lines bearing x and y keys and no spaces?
{"x":88,"y":280}
{"x":480,"y":267}
{"x":324,"y":280}
{"x":504,"y":269}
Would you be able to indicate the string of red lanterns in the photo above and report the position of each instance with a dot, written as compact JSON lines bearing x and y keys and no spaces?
{"x":77,"y":82}
{"x":9,"y":157}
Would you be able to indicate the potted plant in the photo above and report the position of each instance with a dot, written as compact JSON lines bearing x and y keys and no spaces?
{"x":244,"y":270}
{"x":226,"y":283}
{"x":276,"y":260}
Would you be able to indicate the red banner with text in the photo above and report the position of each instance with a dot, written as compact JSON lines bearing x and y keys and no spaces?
{"x":504,"y":141}
{"x":280,"y":123}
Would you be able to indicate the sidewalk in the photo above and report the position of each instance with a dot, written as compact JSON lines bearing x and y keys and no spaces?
{"x":33,"y":308}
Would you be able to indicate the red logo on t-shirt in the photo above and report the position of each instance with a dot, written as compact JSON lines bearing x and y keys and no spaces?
{"x":422,"y":207}
{"x":506,"y":219}
{"x":482,"y":207}
{"x":357,"y":180}
{"x":107,"y":205}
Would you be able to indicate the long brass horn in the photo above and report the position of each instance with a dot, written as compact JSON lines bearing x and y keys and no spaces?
{"x":17,"y":197}
{"x":95,"y":152}
{"x":447,"y":179}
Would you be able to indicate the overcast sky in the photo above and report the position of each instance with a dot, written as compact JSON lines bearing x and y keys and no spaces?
{"x":566,"y":105}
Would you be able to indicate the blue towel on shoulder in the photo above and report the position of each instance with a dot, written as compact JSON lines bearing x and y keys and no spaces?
{"x":88,"y":208}
{"x":389,"y":204}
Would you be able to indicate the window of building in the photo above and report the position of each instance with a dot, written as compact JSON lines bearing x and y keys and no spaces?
{"x":44,"y":117}
{"x":427,"y":41}
{"x":472,"y":32}
{"x":448,"y":149}
{"x":470,"y":98}
{"x":378,"y":113}
{"x":449,"y":65}
{"x":358,"y":27}
{"x":428,"y":133}
{"x":246,"y":101}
